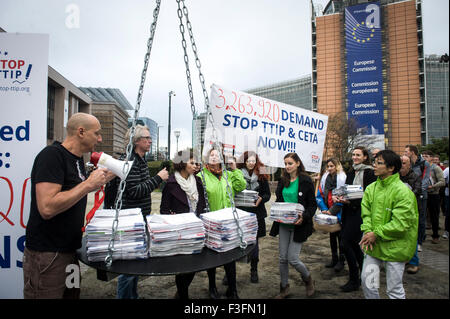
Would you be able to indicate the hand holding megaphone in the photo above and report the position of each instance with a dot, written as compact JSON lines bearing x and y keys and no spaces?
{"x":103,"y":160}
{"x":97,"y":179}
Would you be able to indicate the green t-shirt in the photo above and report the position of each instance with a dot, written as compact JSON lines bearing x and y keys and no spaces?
{"x":290,"y":195}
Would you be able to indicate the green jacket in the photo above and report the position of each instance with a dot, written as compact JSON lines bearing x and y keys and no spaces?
{"x":389,"y":209}
{"x":217,"y":190}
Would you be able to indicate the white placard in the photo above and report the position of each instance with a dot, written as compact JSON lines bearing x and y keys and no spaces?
{"x":245,"y":122}
{"x":23,"y":133}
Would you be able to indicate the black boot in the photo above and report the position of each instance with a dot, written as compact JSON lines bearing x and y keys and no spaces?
{"x":213,"y":293}
{"x":333,"y":262}
{"x":254,"y":271}
{"x":351,"y":285}
{"x":225,"y":280}
{"x":231,"y":294}
{"x":340,"y":264}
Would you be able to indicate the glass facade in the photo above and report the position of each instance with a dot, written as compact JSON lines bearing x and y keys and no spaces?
{"x":198,"y":130}
{"x":295,"y":92}
{"x":153,"y":128}
{"x":437,"y":85}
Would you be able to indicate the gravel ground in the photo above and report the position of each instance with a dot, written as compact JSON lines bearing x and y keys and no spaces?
{"x":428,"y":283}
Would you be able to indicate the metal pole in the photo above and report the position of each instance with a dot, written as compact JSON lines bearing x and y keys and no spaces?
{"x":157,"y":145}
{"x":168,"y":129}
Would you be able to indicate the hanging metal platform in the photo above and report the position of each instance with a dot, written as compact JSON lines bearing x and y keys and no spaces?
{"x":164,"y":266}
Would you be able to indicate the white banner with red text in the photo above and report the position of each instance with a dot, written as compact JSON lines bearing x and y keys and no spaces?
{"x":246,"y":122}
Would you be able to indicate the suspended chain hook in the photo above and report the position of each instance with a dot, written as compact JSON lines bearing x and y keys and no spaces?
{"x":129,"y":149}
{"x":243,"y":244}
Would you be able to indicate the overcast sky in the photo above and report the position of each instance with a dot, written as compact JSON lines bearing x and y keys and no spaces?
{"x":242,"y":44}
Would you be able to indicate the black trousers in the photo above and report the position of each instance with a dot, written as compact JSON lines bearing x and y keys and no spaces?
{"x":335,"y":243}
{"x":230,"y":271}
{"x":433,"y":204}
{"x":183,"y":281}
{"x":351,"y":235}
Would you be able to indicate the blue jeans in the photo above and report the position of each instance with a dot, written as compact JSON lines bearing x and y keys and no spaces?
{"x":127,"y":287}
{"x":415,"y":259}
{"x":289,"y":251}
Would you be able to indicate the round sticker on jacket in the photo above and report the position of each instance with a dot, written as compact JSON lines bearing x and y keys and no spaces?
{"x":300,"y":194}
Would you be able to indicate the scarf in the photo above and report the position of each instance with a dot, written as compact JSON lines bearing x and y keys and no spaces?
{"x":330,"y":184}
{"x":216,"y":169}
{"x":252,"y":181}
{"x":189,"y":186}
{"x":359,"y":173}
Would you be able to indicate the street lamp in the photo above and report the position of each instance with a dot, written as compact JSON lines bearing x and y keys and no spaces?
{"x":177,"y":135}
{"x":168,"y":129}
{"x":157,"y":144}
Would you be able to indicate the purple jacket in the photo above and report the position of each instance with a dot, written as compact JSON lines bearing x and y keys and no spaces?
{"x":174,"y":199}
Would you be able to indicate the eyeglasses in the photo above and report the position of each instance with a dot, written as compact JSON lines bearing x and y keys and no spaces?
{"x":148,"y":138}
{"x":378,"y":163}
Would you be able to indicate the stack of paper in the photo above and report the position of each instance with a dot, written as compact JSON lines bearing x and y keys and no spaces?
{"x":130,"y":241}
{"x":175,"y":234}
{"x":286,"y":213}
{"x":222,"y":231}
{"x":325,"y":219}
{"x":246,"y":198}
{"x":349,"y":191}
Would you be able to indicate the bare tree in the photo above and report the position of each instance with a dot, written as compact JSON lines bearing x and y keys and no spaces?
{"x":343,"y":135}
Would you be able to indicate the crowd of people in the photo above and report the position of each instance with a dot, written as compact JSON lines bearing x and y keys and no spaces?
{"x":386,"y":226}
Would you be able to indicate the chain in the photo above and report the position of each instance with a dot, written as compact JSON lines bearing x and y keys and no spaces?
{"x":129,"y":149}
{"x":216,"y":144}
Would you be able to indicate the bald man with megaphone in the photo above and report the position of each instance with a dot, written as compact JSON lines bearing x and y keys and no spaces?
{"x":59,"y":188}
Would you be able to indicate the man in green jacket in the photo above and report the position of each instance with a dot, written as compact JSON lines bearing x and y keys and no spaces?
{"x":390,"y":222}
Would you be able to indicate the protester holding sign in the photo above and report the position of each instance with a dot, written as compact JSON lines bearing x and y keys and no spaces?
{"x":361,"y":173}
{"x":58,"y":203}
{"x":216,"y":189}
{"x":295,"y":186}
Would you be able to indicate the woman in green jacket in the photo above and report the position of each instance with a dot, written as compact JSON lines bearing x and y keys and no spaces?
{"x":216,"y":189}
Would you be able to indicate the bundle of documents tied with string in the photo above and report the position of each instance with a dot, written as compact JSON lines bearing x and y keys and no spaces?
{"x":222,"y":231}
{"x":286,"y":213}
{"x":246,"y":198}
{"x":175,"y":234}
{"x":130,"y":241}
{"x":349,"y":191}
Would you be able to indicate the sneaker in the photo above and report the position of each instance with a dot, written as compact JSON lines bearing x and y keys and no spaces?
{"x":435,"y":240}
{"x":445,"y":235}
{"x":419,"y":248}
{"x":412,"y":269}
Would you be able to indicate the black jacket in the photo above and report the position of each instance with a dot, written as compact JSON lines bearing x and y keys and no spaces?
{"x":260,"y":211}
{"x":351,"y":213}
{"x":174,"y":199}
{"x":263,"y":192}
{"x":307,"y":198}
{"x":414,"y":181}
